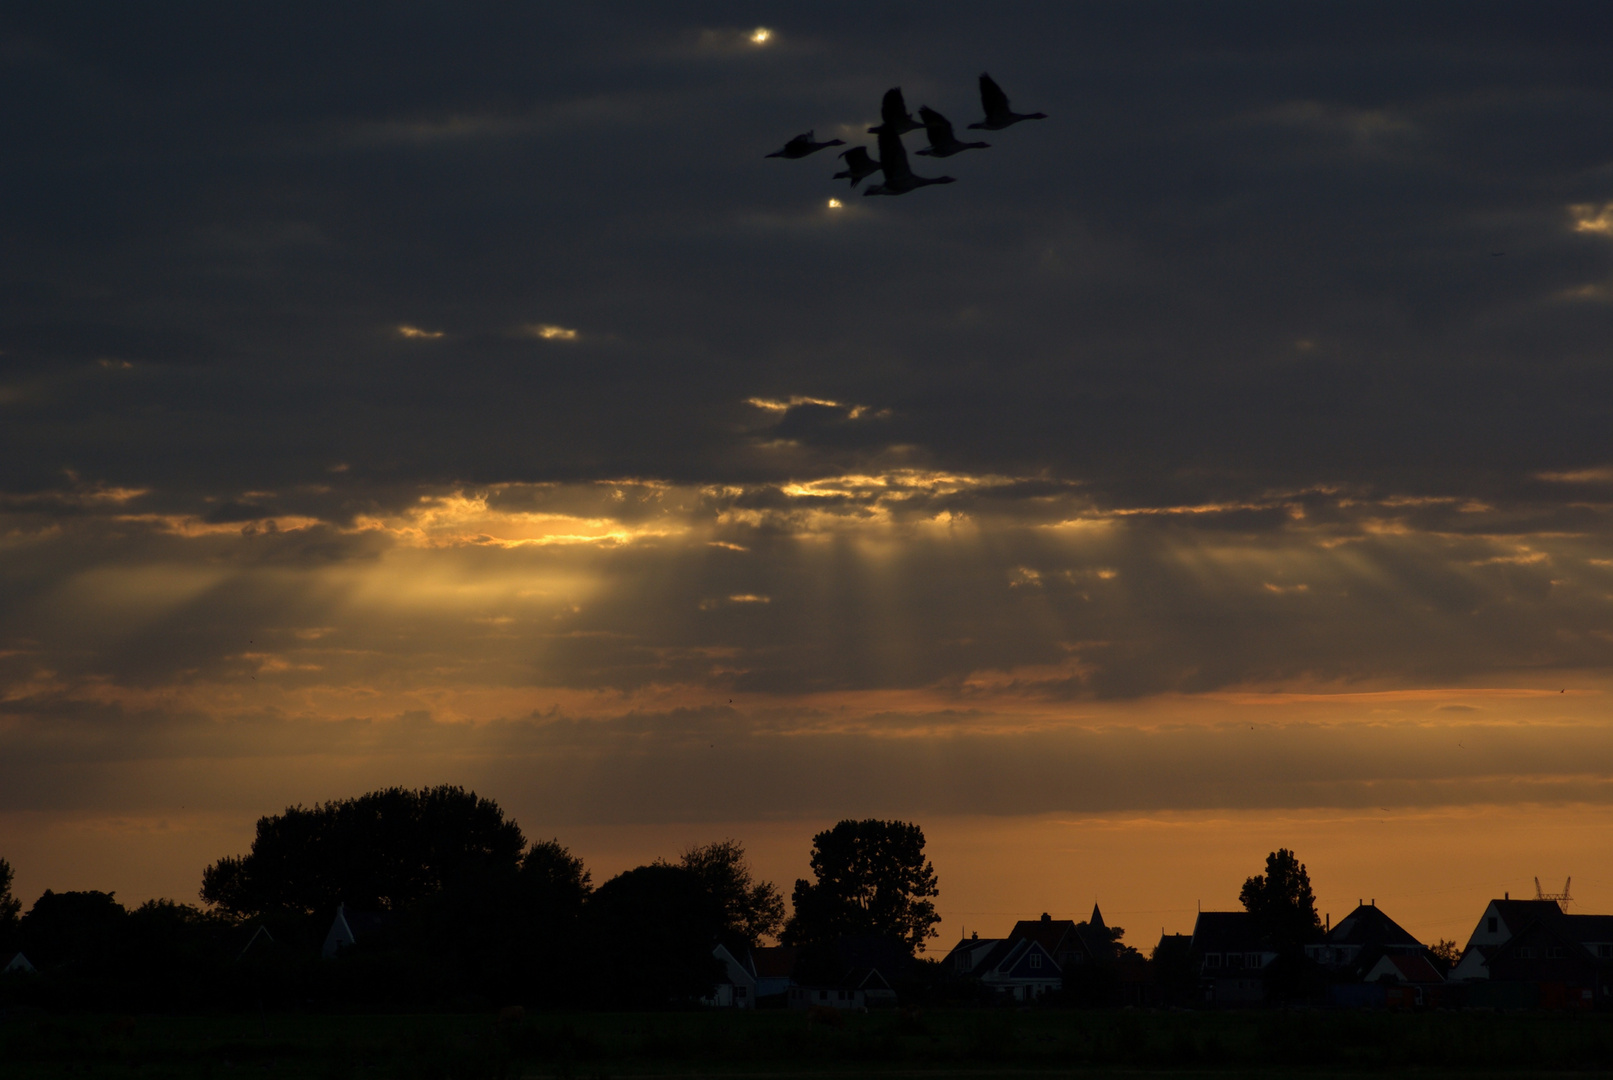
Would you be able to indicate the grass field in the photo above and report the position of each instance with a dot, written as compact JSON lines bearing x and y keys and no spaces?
{"x":962,"y":1043}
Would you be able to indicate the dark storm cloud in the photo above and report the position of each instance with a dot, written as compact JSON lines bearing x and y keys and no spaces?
{"x":445,"y":362}
{"x":1252,"y":247}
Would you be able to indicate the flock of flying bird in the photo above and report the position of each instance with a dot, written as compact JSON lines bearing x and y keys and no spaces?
{"x":895,"y":122}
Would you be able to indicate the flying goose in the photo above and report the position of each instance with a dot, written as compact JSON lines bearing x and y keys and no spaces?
{"x":995,"y":102}
{"x":804,"y":144}
{"x":859,"y":166}
{"x":899,"y":179}
{"x":942,"y":142}
{"x":893,"y":114}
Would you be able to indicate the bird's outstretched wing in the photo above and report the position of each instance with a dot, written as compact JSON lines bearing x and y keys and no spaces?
{"x":892,"y":157}
{"x":992,"y":98}
{"x":938,"y":126}
{"x":893,"y":110}
{"x":857,"y":157}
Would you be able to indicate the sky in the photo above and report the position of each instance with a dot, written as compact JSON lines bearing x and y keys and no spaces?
{"x":427,"y":393}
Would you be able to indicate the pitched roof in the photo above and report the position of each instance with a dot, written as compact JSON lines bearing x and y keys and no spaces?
{"x":1597,"y":928}
{"x":1368,"y":926}
{"x":1520,"y":913}
{"x":1414,"y":967}
{"x":1226,"y":931}
{"x":1050,"y":933}
{"x":776,"y":962}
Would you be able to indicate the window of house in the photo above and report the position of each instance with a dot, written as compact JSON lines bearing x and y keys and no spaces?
{"x":1212,"y":959}
{"x":1492,"y":924}
{"x":1253,"y":960}
{"x":1604,"y":950}
{"x":1526,"y":952}
{"x":1036,"y":960}
{"x":1234,"y":959}
{"x":1556,"y":952}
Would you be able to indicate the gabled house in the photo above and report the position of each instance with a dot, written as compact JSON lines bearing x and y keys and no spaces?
{"x":1404,"y":968}
{"x":737,"y":990}
{"x":349,"y":927}
{"x":775,"y":971}
{"x":1021,"y":970}
{"x":19,"y":965}
{"x":1501,"y":920}
{"x":1567,"y":959}
{"x":1069,"y":943}
{"x":1232,"y":954}
{"x":968,"y":954}
{"x":1353,"y":947}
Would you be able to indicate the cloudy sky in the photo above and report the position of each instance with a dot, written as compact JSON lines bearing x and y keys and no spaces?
{"x":441,"y":393}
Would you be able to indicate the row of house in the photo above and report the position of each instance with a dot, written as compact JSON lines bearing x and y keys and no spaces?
{"x":1521,"y":952}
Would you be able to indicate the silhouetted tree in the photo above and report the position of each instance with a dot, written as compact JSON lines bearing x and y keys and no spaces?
{"x":751,"y":909}
{"x":872,"y":879}
{"x":382,"y":850}
{"x":504,"y":933}
{"x":66,"y":927}
{"x":1281,"y":900}
{"x":10,"y":907}
{"x":1445,"y":953}
{"x":651,"y":932}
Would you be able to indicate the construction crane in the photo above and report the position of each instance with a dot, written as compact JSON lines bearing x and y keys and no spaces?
{"x":1562,"y":898}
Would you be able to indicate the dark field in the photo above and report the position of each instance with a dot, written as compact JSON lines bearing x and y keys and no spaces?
{"x":940,"y":1043}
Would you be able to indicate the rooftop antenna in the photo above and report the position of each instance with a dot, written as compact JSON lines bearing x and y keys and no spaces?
{"x":1562,"y":898}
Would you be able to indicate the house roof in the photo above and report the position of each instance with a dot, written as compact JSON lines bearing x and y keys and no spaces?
{"x":1226,"y":931}
{"x":1413,"y":967}
{"x":1583,"y":928}
{"x":776,"y":962}
{"x":1054,"y":935}
{"x":1368,"y":926}
{"x":1520,"y":913}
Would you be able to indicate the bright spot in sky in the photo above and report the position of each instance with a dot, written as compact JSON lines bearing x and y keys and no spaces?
{"x":834,"y":204}
{"x":415,"y":332}
{"x":1591,"y":218}
{"x":551,"y":332}
{"x":761,"y":36}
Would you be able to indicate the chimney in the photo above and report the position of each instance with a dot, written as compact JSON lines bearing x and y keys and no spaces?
{"x":1046,"y":917}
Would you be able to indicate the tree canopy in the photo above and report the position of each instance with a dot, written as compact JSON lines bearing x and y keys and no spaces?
{"x":379,"y":851}
{"x":653,"y":929}
{"x":751,"y":909}
{"x":872,"y":879}
{"x":1281,"y":900}
{"x":10,"y":906}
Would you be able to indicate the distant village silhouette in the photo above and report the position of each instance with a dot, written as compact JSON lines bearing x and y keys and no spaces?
{"x":433,"y":898}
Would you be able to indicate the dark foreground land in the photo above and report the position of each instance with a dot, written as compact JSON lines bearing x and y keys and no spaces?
{"x":942,"y":1043}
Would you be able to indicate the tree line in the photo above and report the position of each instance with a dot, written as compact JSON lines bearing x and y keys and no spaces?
{"x":451,"y":904}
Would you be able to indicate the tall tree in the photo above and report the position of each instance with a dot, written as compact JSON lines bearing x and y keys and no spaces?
{"x":872,"y":879}
{"x":1281,"y":900}
{"x":382,"y":850}
{"x":64,"y":927}
{"x":751,"y":909}
{"x":10,"y":908}
{"x":651,"y":933}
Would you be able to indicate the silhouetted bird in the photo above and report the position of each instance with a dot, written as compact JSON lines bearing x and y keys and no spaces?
{"x":804,"y":144}
{"x":893,"y":115}
{"x":859,"y":166}
{"x":942,"y":142}
{"x":995,"y":102}
{"x":899,"y":179}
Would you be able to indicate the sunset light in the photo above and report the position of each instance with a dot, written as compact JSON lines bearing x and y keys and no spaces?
{"x":1126,"y":456}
